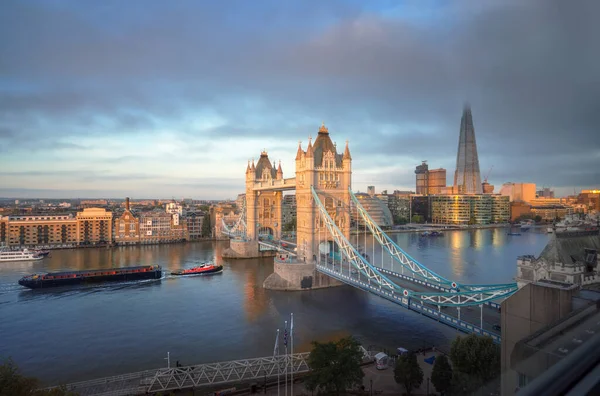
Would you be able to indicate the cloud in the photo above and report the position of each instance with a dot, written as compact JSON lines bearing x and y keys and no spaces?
{"x":201,"y":80}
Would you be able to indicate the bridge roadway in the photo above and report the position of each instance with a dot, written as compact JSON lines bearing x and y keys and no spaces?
{"x":491,"y":316}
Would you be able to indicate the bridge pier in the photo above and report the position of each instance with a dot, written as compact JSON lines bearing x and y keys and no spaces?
{"x":298,"y":276}
{"x":240,"y":249}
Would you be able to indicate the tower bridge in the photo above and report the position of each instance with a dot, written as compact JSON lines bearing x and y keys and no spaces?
{"x":332,"y":250}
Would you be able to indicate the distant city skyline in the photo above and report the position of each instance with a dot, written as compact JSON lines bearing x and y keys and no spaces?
{"x":156,"y":100}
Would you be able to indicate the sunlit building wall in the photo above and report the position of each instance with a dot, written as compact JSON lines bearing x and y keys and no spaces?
{"x":469,"y":209}
{"x":94,"y":225}
{"x":451,"y":209}
{"x":481,"y":209}
{"x":38,"y":230}
{"x":500,"y":209}
{"x":436,"y":181}
{"x":519,"y":192}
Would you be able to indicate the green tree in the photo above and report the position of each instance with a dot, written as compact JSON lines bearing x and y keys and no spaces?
{"x":13,"y":383}
{"x":537,"y":218}
{"x":400,"y":220}
{"x":475,"y":358}
{"x":441,"y":375}
{"x":335,"y":366}
{"x":417,"y":219}
{"x":408,"y":372}
{"x":204,"y":208}
{"x":206,"y":228}
{"x":472,"y":220}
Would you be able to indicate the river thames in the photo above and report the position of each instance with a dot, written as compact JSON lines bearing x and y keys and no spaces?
{"x":88,"y":332}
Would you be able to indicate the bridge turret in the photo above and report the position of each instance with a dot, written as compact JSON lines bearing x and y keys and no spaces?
{"x":279,"y":171}
{"x":309,"y":150}
{"x":250,"y":172}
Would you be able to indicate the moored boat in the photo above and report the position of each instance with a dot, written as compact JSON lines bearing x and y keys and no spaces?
{"x":204,"y":269}
{"x":54,"y":279}
{"x":19,"y":255}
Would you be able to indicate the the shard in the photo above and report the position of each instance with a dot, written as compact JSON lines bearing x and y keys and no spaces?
{"x":467,"y":179}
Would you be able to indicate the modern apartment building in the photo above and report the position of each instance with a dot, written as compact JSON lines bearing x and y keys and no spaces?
{"x":469,"y":209}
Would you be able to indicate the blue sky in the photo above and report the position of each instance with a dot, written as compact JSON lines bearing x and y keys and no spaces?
{"x":171,"y":99}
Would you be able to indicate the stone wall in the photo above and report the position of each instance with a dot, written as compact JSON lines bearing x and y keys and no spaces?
{"x":298,"y":276}
{"x":244,"y":250}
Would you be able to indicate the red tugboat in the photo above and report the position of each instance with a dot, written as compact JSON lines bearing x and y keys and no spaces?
{"x":204,"y":269}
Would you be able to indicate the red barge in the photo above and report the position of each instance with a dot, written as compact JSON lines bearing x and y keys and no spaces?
{"x":204,"y":269}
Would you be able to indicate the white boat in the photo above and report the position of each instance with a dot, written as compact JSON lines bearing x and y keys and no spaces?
{"x":550,"y":230}
{"x":525,"y":226}
{"x":19,"y":255}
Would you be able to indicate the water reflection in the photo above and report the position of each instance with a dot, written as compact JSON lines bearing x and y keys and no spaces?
{"x":222,"y":317}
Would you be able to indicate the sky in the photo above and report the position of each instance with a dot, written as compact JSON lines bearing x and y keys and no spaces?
{"x":156,"y":99}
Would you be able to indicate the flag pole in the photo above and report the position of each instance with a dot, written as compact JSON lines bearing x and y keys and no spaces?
{"x":286,"y":355}
{"x":292,"y":354}
{"x":276,"y":355}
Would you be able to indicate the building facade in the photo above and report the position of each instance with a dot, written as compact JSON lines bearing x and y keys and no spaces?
{"x":519,"y":192}
{"x":127,"y":227}
{"x":94,"y":226}
{"x":469,"y":209}
{"x":30,"y":231}
{"x":429,"y":181}
{"x":160,"y":227}
{"x":288,"y":212}
{"x":467,"y":178}
{"x":194,"y":224}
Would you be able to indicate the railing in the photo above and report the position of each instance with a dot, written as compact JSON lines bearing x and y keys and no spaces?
{"x":227,"y":372}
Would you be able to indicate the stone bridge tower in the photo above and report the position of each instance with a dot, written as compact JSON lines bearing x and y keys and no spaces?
{"x":330,"y":173}
{"x":263,"y":208}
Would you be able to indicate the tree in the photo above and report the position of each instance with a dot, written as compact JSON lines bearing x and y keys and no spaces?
{"x":400,"y":220}
{"x":477,"y":358}
{"x":417,"y":219}
{"x":537,"y":218}
{"x":206,"y":228}
{"x":13,"y":383}
{"x":408,"y":372}
{"x":441,"y":375}
{"x":335,"y":366}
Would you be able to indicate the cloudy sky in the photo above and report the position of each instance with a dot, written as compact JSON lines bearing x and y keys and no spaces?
{"x":161,"y":99}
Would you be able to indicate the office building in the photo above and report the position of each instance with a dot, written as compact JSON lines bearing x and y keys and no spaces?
{"x":429,"y":181}
{"x":519,"y":192}
{"x":467,"y":178}
{"x":467,"y":209}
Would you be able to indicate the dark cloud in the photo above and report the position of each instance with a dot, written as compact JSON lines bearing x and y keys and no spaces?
{"x":392,"y":85}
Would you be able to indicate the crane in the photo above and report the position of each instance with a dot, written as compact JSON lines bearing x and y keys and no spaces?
{"x":488,"y":174}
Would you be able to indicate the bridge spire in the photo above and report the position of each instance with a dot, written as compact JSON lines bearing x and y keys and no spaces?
{"x":309,"y":149}
{"x":248,"y":167}
{"x":252,"y":167}
{"x":347,"y":152}
{"x":300,"y":152}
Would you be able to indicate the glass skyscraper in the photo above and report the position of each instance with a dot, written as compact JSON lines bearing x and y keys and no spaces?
{"x":467,"y":179}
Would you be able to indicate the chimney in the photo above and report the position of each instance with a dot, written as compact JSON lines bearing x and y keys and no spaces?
{"x":127,"y":203}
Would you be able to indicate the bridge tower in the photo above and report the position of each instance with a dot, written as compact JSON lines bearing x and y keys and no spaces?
{"x":263,"y":208}
{"x":330,"y":173}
